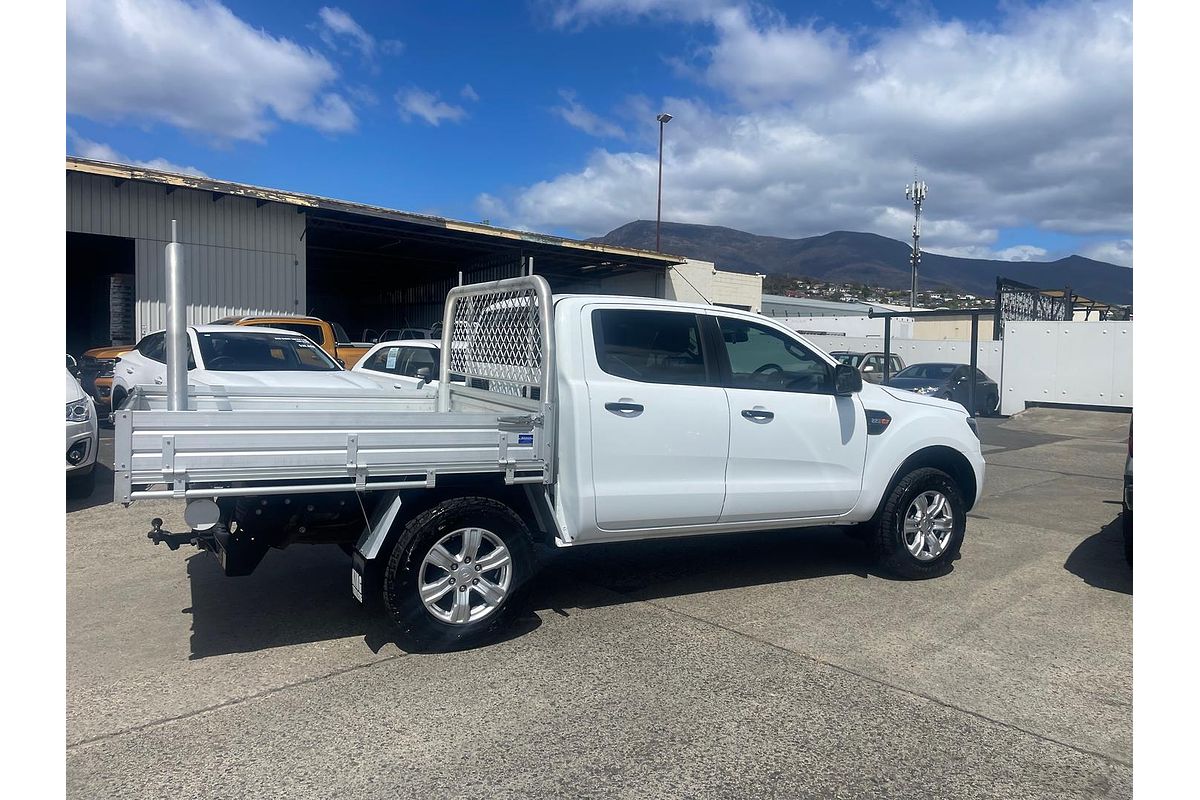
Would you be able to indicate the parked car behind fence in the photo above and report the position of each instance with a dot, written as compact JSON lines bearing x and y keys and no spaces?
{"x":949,"y":382}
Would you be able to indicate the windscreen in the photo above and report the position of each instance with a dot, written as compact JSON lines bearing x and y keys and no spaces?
{"x":246,"y":351}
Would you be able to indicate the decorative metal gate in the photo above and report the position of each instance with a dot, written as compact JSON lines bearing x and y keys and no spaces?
{"x":1021,"y":302}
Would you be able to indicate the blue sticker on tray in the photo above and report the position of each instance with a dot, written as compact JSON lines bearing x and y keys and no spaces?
{"x":524,"y":438}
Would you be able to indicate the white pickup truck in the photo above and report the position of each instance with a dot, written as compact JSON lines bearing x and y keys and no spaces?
{"x":582,"y":419}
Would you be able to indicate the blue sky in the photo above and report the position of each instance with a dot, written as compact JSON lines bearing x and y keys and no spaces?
{"x":791,"y":119}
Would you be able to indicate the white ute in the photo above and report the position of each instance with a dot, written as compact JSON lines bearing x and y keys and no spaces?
{"x":584,"y":419}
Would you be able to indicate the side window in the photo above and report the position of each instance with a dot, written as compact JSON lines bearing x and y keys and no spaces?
{"x":764,"y":358}
{"x":896,"y":364}
{"x":386,"y":359}
{"x":154,"y":347}
{"x":650,"y":346}
{"x":874,"y":362}
{"x":419,"y":358}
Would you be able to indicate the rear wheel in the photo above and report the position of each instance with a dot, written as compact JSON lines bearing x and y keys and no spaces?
{"x":456,"y":575}
{"x":920,"y":527}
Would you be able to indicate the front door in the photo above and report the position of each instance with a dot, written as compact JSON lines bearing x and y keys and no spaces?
{"x":795,"y":449}
{"x":659,"y":419}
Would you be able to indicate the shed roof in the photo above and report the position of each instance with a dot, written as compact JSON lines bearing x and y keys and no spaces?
{"x":456,"y":234}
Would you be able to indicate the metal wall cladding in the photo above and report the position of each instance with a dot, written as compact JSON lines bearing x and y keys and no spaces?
{"x":241,"y":257}
{"x":1084,"y":363}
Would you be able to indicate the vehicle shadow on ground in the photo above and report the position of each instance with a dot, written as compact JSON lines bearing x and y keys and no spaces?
{"x":1100,"y":560}
{"x":650,"y":570}
{"x":102,"y":492}
{"x":302,"y":594}
{"x":295,"y":596}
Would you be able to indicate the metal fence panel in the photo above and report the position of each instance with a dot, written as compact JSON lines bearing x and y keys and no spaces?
{"x":1077,"y":363}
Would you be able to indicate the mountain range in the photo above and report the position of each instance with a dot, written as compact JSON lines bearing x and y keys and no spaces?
{"x":867,"y":258}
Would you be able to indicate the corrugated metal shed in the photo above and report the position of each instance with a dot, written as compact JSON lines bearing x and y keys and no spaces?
{"x":247,"y":258}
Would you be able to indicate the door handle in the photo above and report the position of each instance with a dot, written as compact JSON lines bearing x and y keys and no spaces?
{"x":758,"y":415}
{"x":625,"y":408}
{"x":128,"y":371}
{"x":158,"y":380}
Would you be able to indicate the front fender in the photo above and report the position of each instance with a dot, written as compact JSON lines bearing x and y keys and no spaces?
{"x":916,"y":428}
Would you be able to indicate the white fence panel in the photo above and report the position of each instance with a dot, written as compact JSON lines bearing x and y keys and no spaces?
{"x":1081,"y":363}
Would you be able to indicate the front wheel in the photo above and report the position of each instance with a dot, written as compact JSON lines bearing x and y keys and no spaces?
{"x":921,"y":525}
{"x":455,"y":577}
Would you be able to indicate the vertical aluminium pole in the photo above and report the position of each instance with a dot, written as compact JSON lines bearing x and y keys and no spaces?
{"x":177,"y":381}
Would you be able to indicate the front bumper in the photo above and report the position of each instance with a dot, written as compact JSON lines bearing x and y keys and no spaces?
{"x":86,"y":435}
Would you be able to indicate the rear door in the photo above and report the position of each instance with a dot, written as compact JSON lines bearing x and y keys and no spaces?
{"x":659,"y":419}
{"x":795,"y":449}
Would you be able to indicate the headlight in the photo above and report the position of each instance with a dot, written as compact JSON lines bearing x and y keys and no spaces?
{"x":79,"y":411}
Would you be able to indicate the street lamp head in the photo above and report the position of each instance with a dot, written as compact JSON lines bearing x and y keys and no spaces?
{"x":665,"y":118}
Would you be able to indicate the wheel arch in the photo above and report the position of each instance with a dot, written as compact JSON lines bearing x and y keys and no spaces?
{"x":942,"y":457}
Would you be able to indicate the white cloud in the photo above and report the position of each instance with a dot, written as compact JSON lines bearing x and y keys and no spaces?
{"x":415,"y":102}
{"x":576,"y":13}
{"x":468,"y":93}
{"x":335,"y":23}
{"x":578,"y":116}
{"x":1022,"y":252}
{"x":1119,"y":251}
{"x":1025,"y":122}
{"x":98,"y":151}
{"x":196,"y":66}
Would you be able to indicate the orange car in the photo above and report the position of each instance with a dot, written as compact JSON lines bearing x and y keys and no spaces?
{"x":329,"y":335}
{"x":96,"y":371}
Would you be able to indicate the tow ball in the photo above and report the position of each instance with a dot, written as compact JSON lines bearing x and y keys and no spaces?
{"x":171,"y":540}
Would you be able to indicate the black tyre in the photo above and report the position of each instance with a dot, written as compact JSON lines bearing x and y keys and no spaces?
{"x":991,"y":404}
{"x":456,"y":575}
{"x":920,"y":526}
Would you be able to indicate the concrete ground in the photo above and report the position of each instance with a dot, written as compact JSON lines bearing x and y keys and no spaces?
{"x":763,"y":665}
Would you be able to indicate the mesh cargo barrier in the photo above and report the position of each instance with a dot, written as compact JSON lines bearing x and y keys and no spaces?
{"x":496,"y":337}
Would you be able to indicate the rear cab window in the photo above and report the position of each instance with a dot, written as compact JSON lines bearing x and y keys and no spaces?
{"x":651,"y":346}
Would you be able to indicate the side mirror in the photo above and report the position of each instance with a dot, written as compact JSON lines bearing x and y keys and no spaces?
{"x":846,"y":380}
{"x":868,"y":368}
{"x":423,"y":377}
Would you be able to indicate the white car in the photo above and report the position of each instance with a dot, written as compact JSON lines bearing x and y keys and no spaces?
{"x":224,"y":355}
{"x":82,"y":438}
{"x":410,"y":364}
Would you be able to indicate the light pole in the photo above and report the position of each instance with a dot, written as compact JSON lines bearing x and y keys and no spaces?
{"x":663,"y":119}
